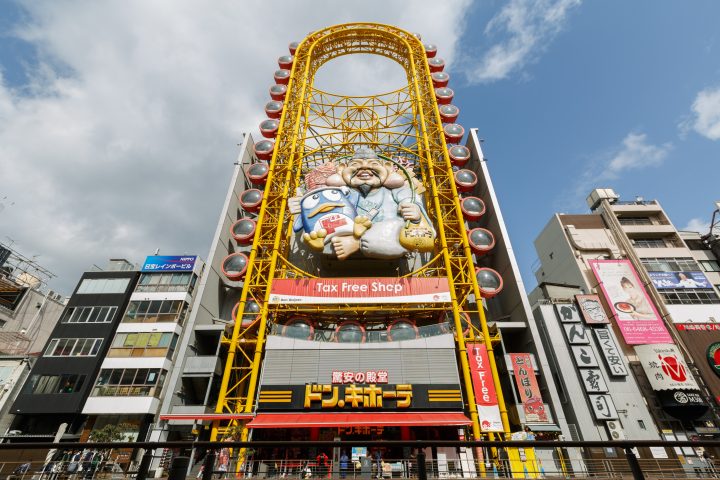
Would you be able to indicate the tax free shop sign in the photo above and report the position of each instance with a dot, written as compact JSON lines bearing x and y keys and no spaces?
{"x":359,"y":290}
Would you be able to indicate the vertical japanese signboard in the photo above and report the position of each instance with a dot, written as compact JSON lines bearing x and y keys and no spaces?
{"x":634,"y":312}
{"x":610,"y":352}
{"x":485,"y":395}
{"x":528,"y":387}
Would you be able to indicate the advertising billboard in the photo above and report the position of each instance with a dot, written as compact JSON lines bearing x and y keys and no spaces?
{"x":485,"y":396}
{"x":665,"y":367}
{"x":703,"y":343}
{"x":592,"y":310}
{"x":164,"y":263}
{"x":694,"y":313}
{"x":663,"y":280}
{"x":628,"y":300}
{"x":528,"y":387}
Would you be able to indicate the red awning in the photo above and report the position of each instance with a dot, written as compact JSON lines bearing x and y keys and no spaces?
{"x":386,"y":419}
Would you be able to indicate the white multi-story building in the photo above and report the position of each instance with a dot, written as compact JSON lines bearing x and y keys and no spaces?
{"x":658,"y":295}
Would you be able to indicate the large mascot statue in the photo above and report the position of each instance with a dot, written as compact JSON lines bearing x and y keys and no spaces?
{"x":366,"y":206}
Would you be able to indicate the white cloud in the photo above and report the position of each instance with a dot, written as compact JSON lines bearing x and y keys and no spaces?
{"x":525,"y":28}
{"x":125,"y":137}
{"x":697,"y":225}
{"x":706,"y":113}
{"x":637,"y":153}
{"x":600,"y":170}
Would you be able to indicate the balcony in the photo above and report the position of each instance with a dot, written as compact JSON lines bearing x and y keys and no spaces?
{"x":202,"y":365}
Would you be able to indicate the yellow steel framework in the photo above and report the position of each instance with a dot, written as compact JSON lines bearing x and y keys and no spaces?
{"x":317,"y":127}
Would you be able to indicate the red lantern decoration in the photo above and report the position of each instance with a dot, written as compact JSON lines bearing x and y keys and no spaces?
{"x":274,"y":108}
{"x":251,"y":313}
{"x":251,"y":199}
{"x":440,"y":79}
{"x":269,"y":127}
{"x":286,"y":61}
{"x":282,"y":76}
{"x":404,"y":329}
{"x":257,"y":173}
{"x":436,"y":64}
{"x":278,"y":91}
{"x":430,"y":50}
{"x":234,"y":266}
{"x":489,"y":281}
{"x":453,"y":132}
{"x":444,"y":95}
{"x":473,"y":208}
{"x":448,"y":113}
{"x":350,"y":332}
{"x":264,"y":149}
{"x":459,"y":155}
{"x":243,"y":231}
{"x":481,"y":240}
{"x":465,"y":180}
{"x":299,"y":327}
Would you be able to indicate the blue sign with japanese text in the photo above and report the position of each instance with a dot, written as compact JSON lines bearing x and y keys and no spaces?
{"x":162,"y":263}
{"x":679,"y":280}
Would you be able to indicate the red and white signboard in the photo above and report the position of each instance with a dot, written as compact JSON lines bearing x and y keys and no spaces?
{"x":665,"y":367}
{"x":484,"y":388}
{"x":360,"y":290}
{"x":528,"y":387}
{"x":634,"y":312}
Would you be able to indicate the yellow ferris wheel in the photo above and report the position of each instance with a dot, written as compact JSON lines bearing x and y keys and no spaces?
{"x":406,"y":142}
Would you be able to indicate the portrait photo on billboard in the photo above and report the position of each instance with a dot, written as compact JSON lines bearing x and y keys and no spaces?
{"x":624,"y":290}
{"x":629,"y":302}
{"x":663,"y":280}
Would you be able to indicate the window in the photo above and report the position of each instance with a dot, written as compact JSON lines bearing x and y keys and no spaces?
{"x":648,"y":243}
{"x":73,"y":347}
{"x":166,"y":282}
{"x":129,"y":382}
{"x":686,"y":296}
{"x":51,"y":384}
{"x":710,"y":265}
{"x":670,"y":265}
{"x":152,"y":311}
{"x":89,"y":314}
{"x":104,"y":285}
{"x":144,"y":344}
{"x":635,"y":221}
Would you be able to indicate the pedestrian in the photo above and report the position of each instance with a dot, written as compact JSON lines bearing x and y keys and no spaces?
{"x":529,"y":435}
{"x":377,"y":456}
{"x":344,"y":464}
{"x":322,"y":462}
{"x":223,"y":461}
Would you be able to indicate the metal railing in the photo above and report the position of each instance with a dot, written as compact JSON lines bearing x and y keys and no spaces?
{"x":425,"y":460}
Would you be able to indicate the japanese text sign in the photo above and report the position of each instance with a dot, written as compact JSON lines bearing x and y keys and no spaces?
{"x":160,"y":263}
{"x":528,"y":387}
{"x":484,"y":388}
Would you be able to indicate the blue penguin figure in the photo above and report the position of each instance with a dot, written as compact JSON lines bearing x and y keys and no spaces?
{"x":325,"y":213}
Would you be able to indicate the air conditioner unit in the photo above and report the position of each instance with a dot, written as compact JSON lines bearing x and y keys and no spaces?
{"x":615,"y":430}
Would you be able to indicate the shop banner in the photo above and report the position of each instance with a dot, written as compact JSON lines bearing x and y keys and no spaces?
{"x":635,"y":314}
{"x":611,"y":353}
{"x":164,"y":263}
{"x":663,"y":280}
{"x":359,"y":290}
{"x":665,"y":367}
{"x":484,"y":388}
{"x":528,"y":387}
{"x":592,"y":310}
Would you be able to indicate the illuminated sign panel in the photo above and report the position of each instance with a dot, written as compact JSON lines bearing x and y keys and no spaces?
{"x":161,"y":263}
{"x":359,"y":397}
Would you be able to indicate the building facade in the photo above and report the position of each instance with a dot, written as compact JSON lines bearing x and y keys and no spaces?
{"x":628,"y":264}
{"x":62,"y":377}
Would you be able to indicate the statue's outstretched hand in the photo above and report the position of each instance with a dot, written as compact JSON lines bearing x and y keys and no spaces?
{"x":409,"y":211}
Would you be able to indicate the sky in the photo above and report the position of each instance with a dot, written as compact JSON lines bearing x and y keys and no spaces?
{"x":120,"y":120}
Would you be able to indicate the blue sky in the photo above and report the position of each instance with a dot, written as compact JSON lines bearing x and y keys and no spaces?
{"x":119,"y":120}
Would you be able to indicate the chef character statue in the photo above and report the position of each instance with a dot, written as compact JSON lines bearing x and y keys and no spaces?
{"x":386,"y":210}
